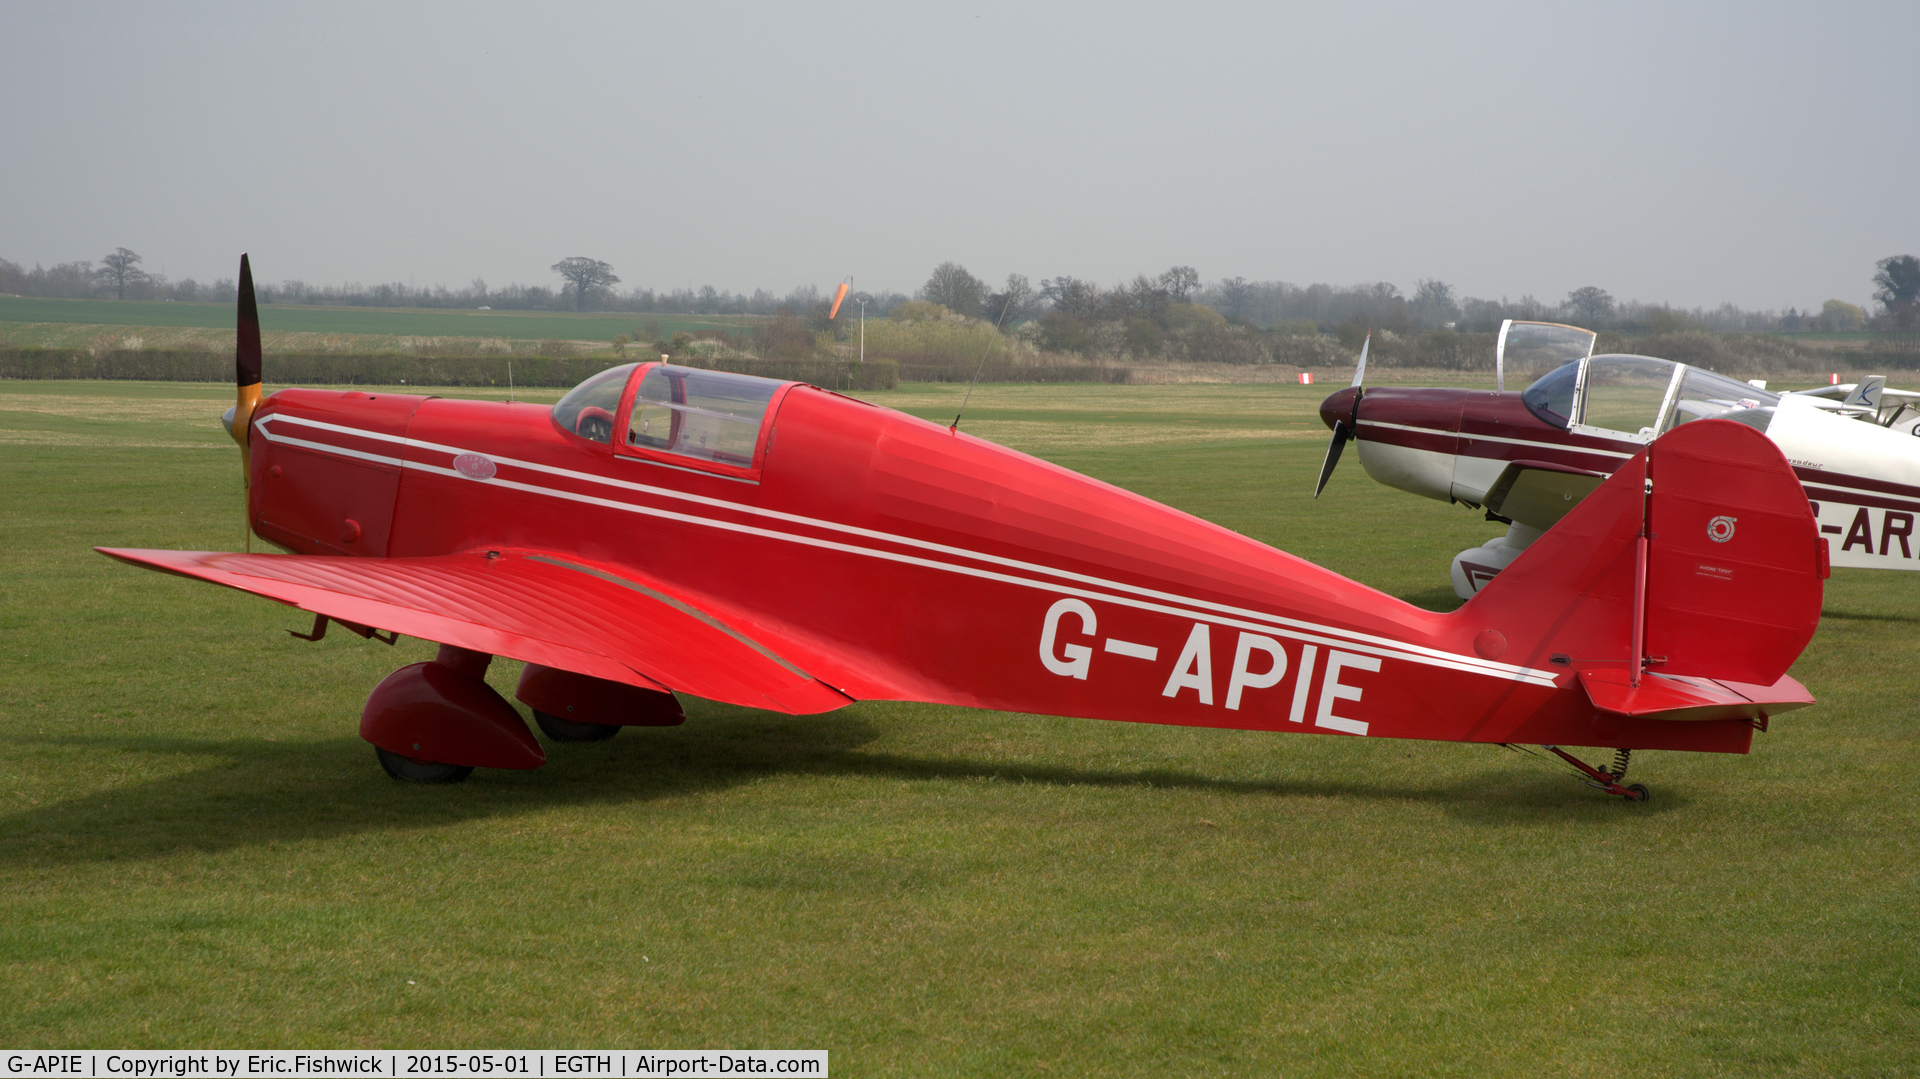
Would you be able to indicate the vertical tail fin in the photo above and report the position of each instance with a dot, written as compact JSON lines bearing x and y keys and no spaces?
{"x":1866,"y":394}
{"x":1732,"y":567}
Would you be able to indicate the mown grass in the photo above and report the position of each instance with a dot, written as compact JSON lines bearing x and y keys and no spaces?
{"x":72,"y":323}
{"x":196,"y":849}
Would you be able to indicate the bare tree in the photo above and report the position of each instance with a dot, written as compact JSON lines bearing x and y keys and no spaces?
{"x":1433,"y":302}
{"x":1235,"y":295}
{"x":1146,"y":297}
{"x":1072,"y":296}
{"x":1591,"y":303}
{"x":119,"y":270}
{"x":1180,"y":282}
{"x":1017,"y":303}
{"x":953,"y":288}
{"x":584,"y":276}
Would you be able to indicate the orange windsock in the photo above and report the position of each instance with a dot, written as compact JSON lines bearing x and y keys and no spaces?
{"x":838,"y":295}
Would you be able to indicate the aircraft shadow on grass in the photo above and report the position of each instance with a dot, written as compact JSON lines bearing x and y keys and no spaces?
{"x":1439,"y":599}
{"x":258,"y":792}
{"x":1865,"y":616}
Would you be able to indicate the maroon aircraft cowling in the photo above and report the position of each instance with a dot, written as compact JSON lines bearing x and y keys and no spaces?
{"x":1479,"y":423}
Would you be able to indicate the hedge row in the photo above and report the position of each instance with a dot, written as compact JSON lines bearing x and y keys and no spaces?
{"x":1895,"y":355}
{"x":832,"y":374}
{"x":1004,"y":371}
{"x":297,"y":368}
{"x":393,"y":369}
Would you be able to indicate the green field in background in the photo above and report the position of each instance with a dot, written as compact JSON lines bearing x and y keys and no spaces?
{"x":413,"y":322}
{"x":196,"y":849}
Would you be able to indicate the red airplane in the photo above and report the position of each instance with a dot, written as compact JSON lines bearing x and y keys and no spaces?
{"x":774,"y":545}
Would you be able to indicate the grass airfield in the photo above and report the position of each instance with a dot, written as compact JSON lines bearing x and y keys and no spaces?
{"x":197,"y":850}
{"x":111,"y":324}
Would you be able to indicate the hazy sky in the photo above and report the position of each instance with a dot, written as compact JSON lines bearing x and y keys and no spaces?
{"x":1758,"y":153}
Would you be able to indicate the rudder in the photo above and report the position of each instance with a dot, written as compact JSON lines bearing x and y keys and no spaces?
{"x":1732,"y":569}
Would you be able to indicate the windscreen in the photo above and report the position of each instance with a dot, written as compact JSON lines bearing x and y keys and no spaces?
{"x":587,"y":410}
{"x":1551,"y":397}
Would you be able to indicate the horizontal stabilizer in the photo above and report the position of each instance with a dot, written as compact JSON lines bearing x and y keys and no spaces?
{"x":528,"y":606}
{"x":1669,"y":697}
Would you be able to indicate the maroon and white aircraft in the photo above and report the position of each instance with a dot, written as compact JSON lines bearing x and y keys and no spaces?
{"x":1528,"y":457}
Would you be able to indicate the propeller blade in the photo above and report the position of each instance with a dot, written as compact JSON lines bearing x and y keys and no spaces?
{"x":247,"y":350}
{"x":839,"y":294}
{"x":1360,"y":372}
{"x":1341,"y":436}
{"x":246,"y":360}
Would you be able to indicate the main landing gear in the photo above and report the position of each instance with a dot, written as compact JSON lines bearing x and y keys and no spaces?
{"x":418,"y":771}
{"x":1607,"y":779}
{"x":436,"y":722}
{"x":561,"y":730}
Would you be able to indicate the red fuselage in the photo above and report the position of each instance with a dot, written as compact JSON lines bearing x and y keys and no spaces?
{"x":891,"y":558}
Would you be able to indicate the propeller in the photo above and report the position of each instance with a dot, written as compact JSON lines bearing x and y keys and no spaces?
{"x":1345,"y":431}
{"x":246,"y":385}
{"x":246,"y":366}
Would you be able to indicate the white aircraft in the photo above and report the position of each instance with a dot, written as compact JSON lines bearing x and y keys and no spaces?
{"x":1527,"y":457}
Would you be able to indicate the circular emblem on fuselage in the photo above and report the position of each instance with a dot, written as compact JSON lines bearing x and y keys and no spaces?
{"x":473,"y":466}
{"x":1720,"y":529}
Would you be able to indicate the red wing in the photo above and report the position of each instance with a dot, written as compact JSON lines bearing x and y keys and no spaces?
{"x":612,"y":624}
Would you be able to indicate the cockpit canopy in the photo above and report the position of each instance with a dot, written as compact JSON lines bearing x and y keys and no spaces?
{"x":714,"y":419}
{"x":712,"y":415}
{"x":1642,"y":397}
{"x":1531,"y":349}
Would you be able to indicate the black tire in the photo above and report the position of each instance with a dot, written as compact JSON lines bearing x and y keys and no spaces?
{"x":1638,"y":792}
{"x":566,"y":730}
{"x":413,"y":771}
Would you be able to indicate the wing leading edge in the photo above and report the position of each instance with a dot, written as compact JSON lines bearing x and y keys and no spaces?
{"x":529,"y":606}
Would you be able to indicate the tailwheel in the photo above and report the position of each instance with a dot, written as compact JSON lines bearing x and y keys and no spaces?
{"x":418,"y":771}
{"x":1604,"y":779}
{"x":566,"y":730}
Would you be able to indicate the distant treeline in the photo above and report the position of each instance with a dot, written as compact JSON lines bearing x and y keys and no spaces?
{"x":83,"y":280}
{"x":394,"y":369}
{"x":1268,"y":306}
{"x":1443,"y":349}
{"x":1070,"y":329}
